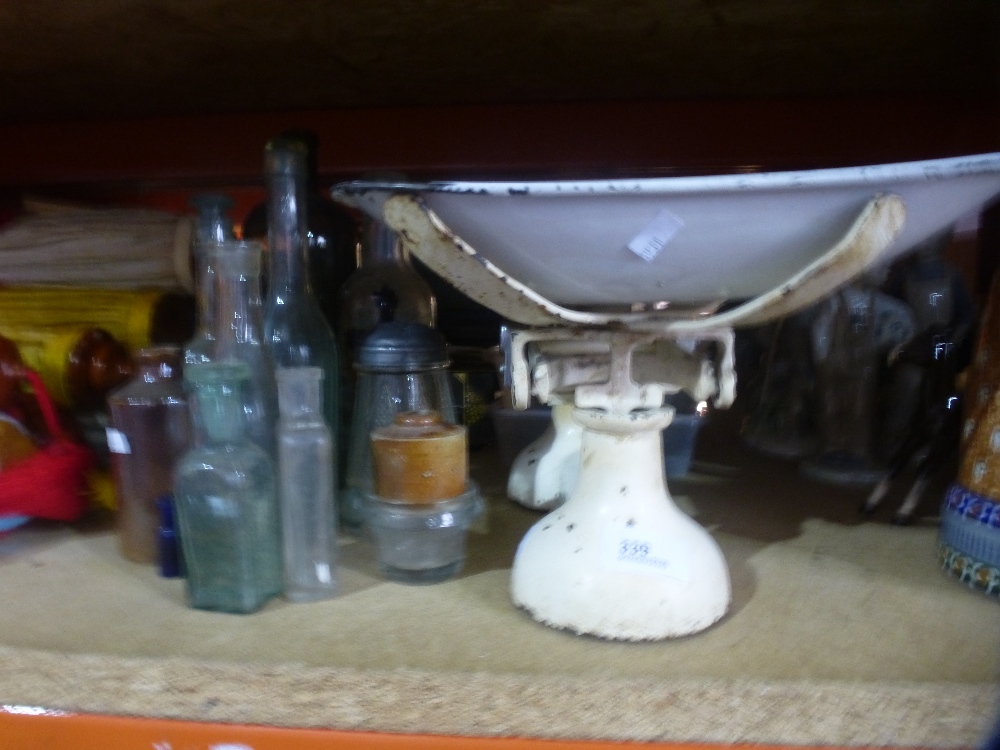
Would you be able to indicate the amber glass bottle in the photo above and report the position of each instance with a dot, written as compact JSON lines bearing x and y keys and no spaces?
{"x":148,"y":434}
{"x":79,"y":364}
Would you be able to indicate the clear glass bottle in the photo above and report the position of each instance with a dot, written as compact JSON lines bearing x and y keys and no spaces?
{"x":213,"y":227}
{"x":385,"y":287}
{"x":846,"y":354}
{"x":148,"y":434}
{"x":296,"y":332}
{"x":306,"y":481}
{"x":332,"y":236}
{"x":239,"y":334}
{"x":226,"y":499}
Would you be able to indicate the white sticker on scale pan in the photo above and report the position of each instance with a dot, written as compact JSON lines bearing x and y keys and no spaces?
{"x":630,"y":549}
{"x":655,"y":236}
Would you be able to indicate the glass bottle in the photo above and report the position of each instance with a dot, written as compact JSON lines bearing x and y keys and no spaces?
{"x":402,"y":367}
{"x":332,"y":235}
{"x":306,"y":487}
{"x":846,"y":354}
{"x":171,"y":561}
{"x":294,"y":327}
{"x":781,"y":388}
{"x":213,"y":227}
{"x":934,"y":289}
{"x":385,"y":287}
{"x":79,"y":364}
{"x":148,"y":434}
{"x":239,"y":334}
{"x":226,"y":499}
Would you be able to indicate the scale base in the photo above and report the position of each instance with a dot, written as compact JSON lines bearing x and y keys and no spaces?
{"x":545,"y":472}
{"x":619,"y":560}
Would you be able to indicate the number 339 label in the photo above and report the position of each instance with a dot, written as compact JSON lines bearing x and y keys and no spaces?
{"x":637,"y":553}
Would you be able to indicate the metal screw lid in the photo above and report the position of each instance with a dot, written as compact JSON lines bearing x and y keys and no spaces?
{"x":401,"y":347}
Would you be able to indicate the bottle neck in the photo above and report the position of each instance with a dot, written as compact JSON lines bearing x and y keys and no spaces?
{"x":382,"y":247}
{"x":213,"y":224}
{"x":220,"y":415}
{"x":300,"y":396}
{"x":287,"y":234}
{"x":214,"y":227}
{"x":238,"y":303}
{"x":205,"y":283}
{"x":302,"y":418}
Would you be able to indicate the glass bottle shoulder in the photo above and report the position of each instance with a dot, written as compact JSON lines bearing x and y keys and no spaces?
{"x":234,"y":464}
{"x":375,"y":275}
{"x":299,"y":335}
{"x":304,"y":432}
{"x":139,"y":392}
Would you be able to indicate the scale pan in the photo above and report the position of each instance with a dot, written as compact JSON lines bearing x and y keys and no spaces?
{"x":715,"y":237}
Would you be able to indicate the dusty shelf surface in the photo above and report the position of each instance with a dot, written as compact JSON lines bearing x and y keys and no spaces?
{"x":842,"y":630}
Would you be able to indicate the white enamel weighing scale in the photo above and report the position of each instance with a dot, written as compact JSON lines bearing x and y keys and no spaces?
{"x":618,"y":286}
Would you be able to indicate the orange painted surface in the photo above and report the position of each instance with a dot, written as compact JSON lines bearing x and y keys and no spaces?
{"x":55,"y":731}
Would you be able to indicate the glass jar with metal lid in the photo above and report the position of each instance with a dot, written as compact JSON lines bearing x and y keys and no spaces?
{"x":401,"y":367}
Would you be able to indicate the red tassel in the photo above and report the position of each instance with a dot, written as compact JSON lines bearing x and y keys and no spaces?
{"x":52,"y":483}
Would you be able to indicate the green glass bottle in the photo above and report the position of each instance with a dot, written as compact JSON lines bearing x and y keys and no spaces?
{"x":226,"y":497}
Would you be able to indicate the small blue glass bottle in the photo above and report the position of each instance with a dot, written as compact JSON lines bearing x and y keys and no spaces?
{"x":226,"y":499}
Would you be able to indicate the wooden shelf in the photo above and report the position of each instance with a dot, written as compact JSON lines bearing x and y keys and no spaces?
{"x":841,"y":632}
